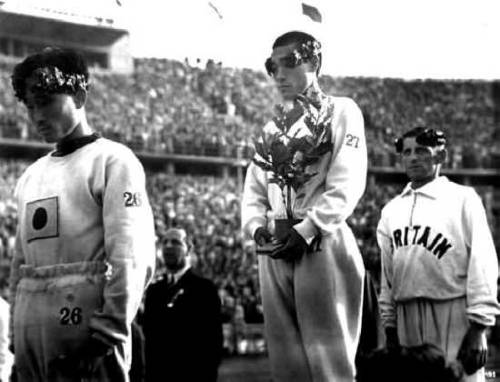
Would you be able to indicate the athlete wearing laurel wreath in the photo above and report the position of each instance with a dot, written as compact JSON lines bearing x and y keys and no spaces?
{"x":312,"y":277}
{"x":85,"y":240}
{"x":439,"y":264}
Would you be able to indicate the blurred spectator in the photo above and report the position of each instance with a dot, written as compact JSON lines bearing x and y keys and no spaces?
{"x":168,"y":106}
{"x":209,"y":209}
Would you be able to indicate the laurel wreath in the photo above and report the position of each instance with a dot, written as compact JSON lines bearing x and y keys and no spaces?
{"x":51,"y":79}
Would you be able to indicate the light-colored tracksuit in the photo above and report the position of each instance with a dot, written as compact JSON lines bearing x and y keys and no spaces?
{"x":84,"y":255}
{"x":312,"y":306}
{"x":439,"y":266}
{"x":6,"y":358}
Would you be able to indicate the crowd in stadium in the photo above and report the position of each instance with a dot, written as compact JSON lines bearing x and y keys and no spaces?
{"x":168,"y":106}
{"x":172,"y":107}
{"x":209,"y":209}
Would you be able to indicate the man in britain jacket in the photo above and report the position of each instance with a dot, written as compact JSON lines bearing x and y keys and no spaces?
{"x":439,"y":264}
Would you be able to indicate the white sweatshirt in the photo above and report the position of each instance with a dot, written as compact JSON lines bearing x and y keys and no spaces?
{"x":89,"y":207}
{"x":330,"y":196}
{"x":436,"y":244}
{"x":6,"y":357}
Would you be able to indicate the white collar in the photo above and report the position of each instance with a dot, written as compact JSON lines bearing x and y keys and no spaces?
{"x":177,"y":275}
{"x":432,"y":189}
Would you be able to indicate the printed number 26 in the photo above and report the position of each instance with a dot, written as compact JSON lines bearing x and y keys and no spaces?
{"x":70,"y":316}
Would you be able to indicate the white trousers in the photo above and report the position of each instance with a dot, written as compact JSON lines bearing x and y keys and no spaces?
{"x":312,"y":311}
{"x":53,"y":307}
{"x":442,"y":323}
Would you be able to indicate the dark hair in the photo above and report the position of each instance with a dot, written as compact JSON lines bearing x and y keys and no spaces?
{"x":300,"y":38}
{"x":68,"y":61}
{"x":423,"y":136}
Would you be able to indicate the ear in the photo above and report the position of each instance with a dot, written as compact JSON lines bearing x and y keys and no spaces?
{"x":80,"y":98}
{"x":441,"y":155}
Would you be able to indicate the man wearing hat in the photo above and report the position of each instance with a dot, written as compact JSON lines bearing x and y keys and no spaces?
{"x":85,"y":238}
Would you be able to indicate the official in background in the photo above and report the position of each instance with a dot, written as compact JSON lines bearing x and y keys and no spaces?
{"x":439,"y":264}
{"x":182,"y":319}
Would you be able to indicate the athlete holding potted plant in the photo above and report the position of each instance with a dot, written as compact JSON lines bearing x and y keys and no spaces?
{"x":308,"y":173}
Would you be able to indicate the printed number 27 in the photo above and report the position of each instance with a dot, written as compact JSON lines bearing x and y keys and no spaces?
{"x":352,"y":140}
{"x":132,"y":199}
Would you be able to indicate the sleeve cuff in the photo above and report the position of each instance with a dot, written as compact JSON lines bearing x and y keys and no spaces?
{"x":481,"y":320}
{"x":307,"y":230}
{"x":253,"y":225}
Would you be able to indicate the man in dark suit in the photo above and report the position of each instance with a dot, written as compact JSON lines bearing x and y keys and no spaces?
{"x":182,"y":319}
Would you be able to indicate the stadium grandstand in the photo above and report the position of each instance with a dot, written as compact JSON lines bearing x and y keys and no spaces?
{"x":29,"y":26}
{"x":192,"y":128}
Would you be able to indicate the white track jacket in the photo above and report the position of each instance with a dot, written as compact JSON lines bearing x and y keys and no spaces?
{"x":436,"y":244}
{"x":79,"y":212}
{"x":329,"y":197}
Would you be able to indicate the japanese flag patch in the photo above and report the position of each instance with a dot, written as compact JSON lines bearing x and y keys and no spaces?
{"x":42,"y":219}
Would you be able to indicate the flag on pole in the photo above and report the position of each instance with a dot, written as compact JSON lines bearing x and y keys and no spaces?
{"x":312,"y":12}
{"x":215,"y":9}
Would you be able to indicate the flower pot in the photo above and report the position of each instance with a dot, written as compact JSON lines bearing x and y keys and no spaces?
{"x":283,"y":226}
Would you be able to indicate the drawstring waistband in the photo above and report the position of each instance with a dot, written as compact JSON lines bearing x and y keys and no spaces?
{"x":49,"y":271}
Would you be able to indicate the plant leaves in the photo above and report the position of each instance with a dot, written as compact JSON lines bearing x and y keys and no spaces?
{"x":294,"y":115}
{"x":263,"y":165}
{"x":259,"y":149}
{"x":287,"y":157}
{"x":280,"y":153}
